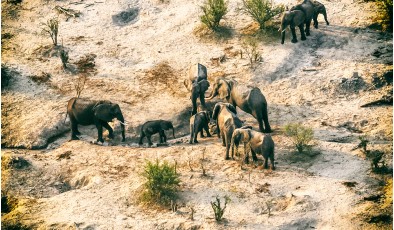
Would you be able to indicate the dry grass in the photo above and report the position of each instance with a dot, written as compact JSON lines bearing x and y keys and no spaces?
{"x":162,"y":75}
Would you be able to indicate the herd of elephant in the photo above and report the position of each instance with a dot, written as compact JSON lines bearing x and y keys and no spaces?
{"x":301,"y":14}
{"x":223,"y":115}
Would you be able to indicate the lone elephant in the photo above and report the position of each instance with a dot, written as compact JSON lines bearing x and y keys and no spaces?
{"x":250,"y":100}
{"x":88,"y":112}
{"x":259,"y":143}
{"x":156,"y":126}
{"x":197,"y":83}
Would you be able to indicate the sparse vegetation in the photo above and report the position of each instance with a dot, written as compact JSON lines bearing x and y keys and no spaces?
{"x":375,"y":156}
{"x":213,"y":10}
{"x":51,"y":27}
{"x":79,"y":85}
{"x":300,"y":135}
{"x":262,"y":10}
{"x":217,"y":209}
{"x":249,"y":46}
{"x":162,"y":183}
{"x":42,"y":78}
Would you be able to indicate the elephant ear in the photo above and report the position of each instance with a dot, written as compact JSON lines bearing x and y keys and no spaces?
{"x":204,"y":85}
{"x":224,"y":89}
{"x":188,"y":84}
{"x":166,"y":125}
{"x":103,"y":112}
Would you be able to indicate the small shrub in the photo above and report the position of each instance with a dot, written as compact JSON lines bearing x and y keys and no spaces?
{"x":249,"y":46}
{"x":52,"y":29}
{"x":375,"y":156}
{"x":300,"y":135}
{"x":217,"y":209}
{"x":213,"y":11}
{"x":162,"y":183}
{"x":44,"y":77}
{"x":262,"y":10}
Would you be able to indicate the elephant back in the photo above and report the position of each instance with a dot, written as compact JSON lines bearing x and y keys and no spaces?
{"x":198,"y":72}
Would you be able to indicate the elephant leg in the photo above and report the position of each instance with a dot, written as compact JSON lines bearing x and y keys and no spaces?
{"x":227,"y":157}
{"x":271,"y":156}
{"x":263,"y":118}
{"x":141,"y":138}
{"x":74,"y":129}
{"x":110,"y":130}
{"x":194,"y":102}
{"x":315,"y":22}
{"x":207,"y":130}
{"x":164,"y":137}
{"x":201,"y":131}
{"x":149,"y":140}
{"x":202,"y":99}
{"x":195,"y":135}
{"x":223,"y":139}
{"x":307,"y":27}
{"x":99,"y":127}
{"x":265,"y":161}
{"x":325,"y":17}
{"x":254,"y":157}
{"x":293,"y":33}
{"x":302,"y":31}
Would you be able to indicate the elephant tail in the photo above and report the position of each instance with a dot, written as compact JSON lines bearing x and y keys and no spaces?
{"x":267,"y":127}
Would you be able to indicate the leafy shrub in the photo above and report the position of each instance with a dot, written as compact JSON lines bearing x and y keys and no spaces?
{"x":262,"y":10}
{"x":213,"y":11}
{"x":217,"y":209}
{"x":162,"y":183}
{"x":52,"y":29}
{"x":300,"y":135}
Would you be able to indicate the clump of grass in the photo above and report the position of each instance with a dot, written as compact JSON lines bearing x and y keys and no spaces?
{"x":262,"y":10}
{"x":161,"y":184}
{"x":51,"y":27}
{"x":217,"y":209}
{"x":301,"y":136}
{"x":213,"y":10}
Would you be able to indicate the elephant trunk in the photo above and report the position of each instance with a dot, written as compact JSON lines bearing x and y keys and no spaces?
{"x":122,"y":125}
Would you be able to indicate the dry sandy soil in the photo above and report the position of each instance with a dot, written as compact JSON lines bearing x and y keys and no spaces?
{"x":54,"y":183}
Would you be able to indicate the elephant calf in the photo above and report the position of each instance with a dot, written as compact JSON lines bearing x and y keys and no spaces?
{"x":198,"y":122}
{"x":319,"y":9}
{"x":157,"y":126}
{"x":259,"y":143}
{"x":89,"y":112}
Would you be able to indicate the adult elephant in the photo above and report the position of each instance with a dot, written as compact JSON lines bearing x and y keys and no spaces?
{"x":250,"y":100}
{"x":227,"y":122}
{"x":293,"y":19}
{"x":319,"y":9}
{"x":88,"y":112}
{"x":197,"y":83}
{"x":308,"y":8}
{"x":258,"y":142}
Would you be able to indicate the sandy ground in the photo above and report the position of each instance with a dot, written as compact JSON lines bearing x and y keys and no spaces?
{"x":321,"y":82}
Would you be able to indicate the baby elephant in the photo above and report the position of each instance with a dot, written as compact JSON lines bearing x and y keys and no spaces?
{"x":157,"y":126}
{"x":198,"y":122}
{"x":259,"y":143}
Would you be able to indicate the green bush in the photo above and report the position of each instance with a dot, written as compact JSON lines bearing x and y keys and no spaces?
{"x":262,"y":10}
{"x":213,"y":11}
{"x":300,"y":135}
{"x":162,"y":183}
{"x":217,"y":209}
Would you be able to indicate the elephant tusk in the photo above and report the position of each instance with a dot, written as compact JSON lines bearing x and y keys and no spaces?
{"x":125,"y":123}
{"x":283,"y":30}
